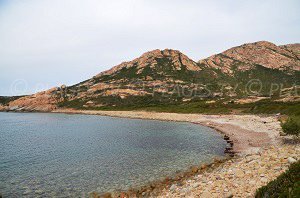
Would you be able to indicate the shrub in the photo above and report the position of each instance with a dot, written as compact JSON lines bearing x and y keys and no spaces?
{"x":292,"y":126}
{"x":286,"y":185}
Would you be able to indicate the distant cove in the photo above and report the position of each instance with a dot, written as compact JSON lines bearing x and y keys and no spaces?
{"x":49,"y":154}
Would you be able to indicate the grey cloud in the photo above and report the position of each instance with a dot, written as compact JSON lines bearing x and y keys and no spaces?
{"x":54,"y":42}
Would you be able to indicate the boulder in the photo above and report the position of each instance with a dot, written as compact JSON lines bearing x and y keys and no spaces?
{"x":291,"y":160}
{"x":173,"y":187}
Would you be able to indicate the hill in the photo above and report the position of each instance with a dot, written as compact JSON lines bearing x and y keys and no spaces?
{"x":245,"y":73}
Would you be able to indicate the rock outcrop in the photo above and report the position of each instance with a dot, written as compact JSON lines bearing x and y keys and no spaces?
{"x":151,"y":58}
{"x":3,"y":107}
{"x":293,"y":48}
{"x":262,"y":53}
{"x":41,"y":101}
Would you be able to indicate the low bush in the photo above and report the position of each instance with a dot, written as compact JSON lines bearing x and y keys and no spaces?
{"x":292,"y":126}
{"x":4,"y":100}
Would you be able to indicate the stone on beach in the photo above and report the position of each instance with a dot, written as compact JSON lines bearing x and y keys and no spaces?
{"x":239,"y":173}
{"x":173,"y":187}
{"x":238,"y":177}
{"x":291,"y":160}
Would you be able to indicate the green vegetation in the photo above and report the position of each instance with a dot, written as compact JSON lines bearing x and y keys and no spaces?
{"x":4,"y":100}
{"x":72,"y":104}
{"x":286,"y":185}
{"x":199,"y":107}
{"x":292,"y":126}
{"x":269,"y":81}
{"x":272,"y":107}
{"x":175,"y":104}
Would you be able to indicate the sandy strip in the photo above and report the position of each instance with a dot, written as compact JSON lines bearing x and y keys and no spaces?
{"x":248,"y":132}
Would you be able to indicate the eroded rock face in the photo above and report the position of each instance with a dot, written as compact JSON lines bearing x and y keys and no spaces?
{"x":3,"y":107}
{"x":262,"y":53}
{"x":293,"y":48}
{"x":123,"y":93}
{"x":41,"y":101}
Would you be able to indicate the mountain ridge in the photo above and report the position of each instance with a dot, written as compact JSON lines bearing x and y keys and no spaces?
{"x":153,"y":76}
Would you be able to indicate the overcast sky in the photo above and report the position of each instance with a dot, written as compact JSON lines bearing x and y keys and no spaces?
{"x":46,"y":43}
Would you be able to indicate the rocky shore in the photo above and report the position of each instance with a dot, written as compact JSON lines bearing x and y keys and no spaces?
{"x":238,"y":177}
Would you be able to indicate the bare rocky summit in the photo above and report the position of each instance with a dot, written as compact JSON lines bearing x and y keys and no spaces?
{"x":166,"y":76}
{"x":266,"y":54}
{"x":150,"y":59}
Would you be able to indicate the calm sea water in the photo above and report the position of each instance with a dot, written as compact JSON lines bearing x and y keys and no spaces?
{"x":71,"y":155}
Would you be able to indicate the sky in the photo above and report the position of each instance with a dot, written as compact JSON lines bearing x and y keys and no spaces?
{"x":47,"y":43}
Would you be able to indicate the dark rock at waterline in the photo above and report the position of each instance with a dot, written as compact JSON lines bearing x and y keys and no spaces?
{"x":228,"y":149}
{"x":226,"y":137}
{"x":229,"y":141}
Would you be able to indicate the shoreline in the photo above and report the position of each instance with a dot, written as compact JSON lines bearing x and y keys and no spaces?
{"x":249,"y":133}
